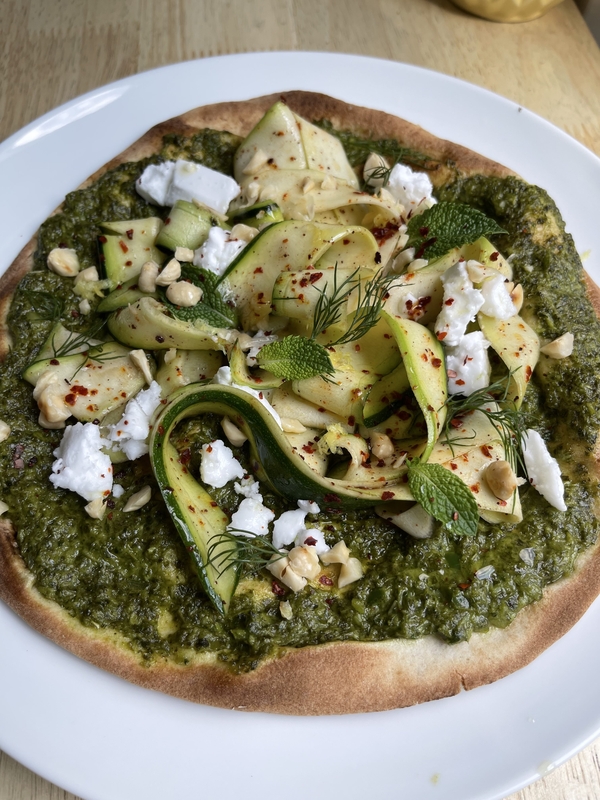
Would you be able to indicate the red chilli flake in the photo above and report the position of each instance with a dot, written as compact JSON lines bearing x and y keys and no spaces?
{"x":277,"y":589}
{"x":494,"y":256}
{"x":310,"y":541}
{"x":325,"y":580}
{"x":331,"y":498}
{"x":129,"y":233}
{"x":436,"y":362}
{"x":486,"y":451}
{"x":387,"y":495}
{"x":463,"y":586}
{"x":123,"y":246}
{"x":441,"y":335}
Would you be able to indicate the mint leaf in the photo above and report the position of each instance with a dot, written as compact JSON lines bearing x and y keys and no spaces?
{"x":212,"y":308}
{"x":446,"y":225}
{"x":443,"y":495}
{"x":295,"y":358}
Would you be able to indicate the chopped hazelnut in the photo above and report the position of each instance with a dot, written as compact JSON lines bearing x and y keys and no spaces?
{"x":169,"y":274}
{"x":233,"y":433}
{"x":139,"y":499}
{"x":350,"y":572}
{"x":147,"y":277}
{"x":559,"y":348}
{"x":338,"y":554}
{"x":63,"y":261}
{"x":184,"y":294}
{"x":501,"y":479}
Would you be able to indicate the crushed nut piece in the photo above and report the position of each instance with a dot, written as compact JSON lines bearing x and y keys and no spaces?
{"x":64,"y":262}
{"x":243,"y":232}
{"x":184,"y":254}
{"x":96,"y":508}
{"x":139,"y":499}
{"x":4,"y":430}
{"x":350,"y":572}
{"x":501,"y":479}
{"x":85,"y":307}
{"x":329,"y":183}
{"x":338,"y":554}
{"x":304,"y":561}
{"x":233,"y":433}
{"x":148,"y":276}
{"x":285,"y":609}
{"x":138,"y":357}
{"x":182,"y":293}
{"x":170,"y":273}
{"x":382,"y":446}
{"x":561,"y":347}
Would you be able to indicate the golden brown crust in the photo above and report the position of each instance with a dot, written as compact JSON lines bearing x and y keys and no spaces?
{"x":343,"y":677}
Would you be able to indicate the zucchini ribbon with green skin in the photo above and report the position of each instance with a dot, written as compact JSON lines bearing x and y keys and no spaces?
{"x":197,"y":517}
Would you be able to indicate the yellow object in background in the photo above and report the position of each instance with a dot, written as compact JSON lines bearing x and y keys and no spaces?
{"x":507,"y":10}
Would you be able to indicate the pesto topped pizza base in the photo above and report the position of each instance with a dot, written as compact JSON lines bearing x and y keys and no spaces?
{"x":121,"y":592}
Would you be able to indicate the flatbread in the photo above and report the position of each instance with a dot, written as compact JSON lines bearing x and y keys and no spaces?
{"x":342,"y":677}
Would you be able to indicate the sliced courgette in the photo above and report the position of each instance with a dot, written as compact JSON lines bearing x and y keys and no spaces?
{"x":126,"y":246}
{"x":186,"y":225}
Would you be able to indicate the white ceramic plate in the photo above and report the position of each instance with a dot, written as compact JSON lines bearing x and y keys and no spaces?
{"x":104,"y":739}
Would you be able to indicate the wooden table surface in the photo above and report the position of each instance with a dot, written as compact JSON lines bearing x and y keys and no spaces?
{"x":54,"y":50}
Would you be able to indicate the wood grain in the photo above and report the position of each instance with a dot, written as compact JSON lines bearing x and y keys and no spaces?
{"x":54,"y":50}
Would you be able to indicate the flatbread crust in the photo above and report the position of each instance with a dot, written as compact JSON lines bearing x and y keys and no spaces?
{"x":342,"y":677}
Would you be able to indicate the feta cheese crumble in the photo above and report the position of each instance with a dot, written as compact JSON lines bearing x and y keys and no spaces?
{"x":218,"y":251}
{"x":164,"y":184}
{"x":497,"y":300}
{"x":219,"y":465}
{"x":193,"y":181}
{"x":543,"y":469}
{"x":80,"y":464}
{"x":291,"y":527}
{"x":153,"y":184}
{"x":412,"y":189}
{"x":223,"y":377}
{"x":460,"y":305}
{"x":252,"y":517}
{"x":130,"y":434}
{"x":468,"y":365}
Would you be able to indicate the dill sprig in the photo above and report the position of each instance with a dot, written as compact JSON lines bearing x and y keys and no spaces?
{"x":76,"y":342}
{"x":506,"y":419}
{"x":226,"y":550}
{"x":378,"y":177}
{"x":46,"y":305}
{"x":371,"y":297}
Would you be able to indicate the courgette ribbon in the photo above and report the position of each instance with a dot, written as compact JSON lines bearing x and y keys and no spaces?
{"x":197,"y":517}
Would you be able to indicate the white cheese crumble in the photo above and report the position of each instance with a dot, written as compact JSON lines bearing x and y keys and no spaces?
{"x":118,"y":490}
{"x":251,"y":518}
{"x":460,"y":305}
{"x":131,"y":432}
{"x":218,"y":251}
{"x":153,"y":184}
{"x":291,"y":527}
{"x":170,"y":181}
{"x":468,"y":365}
{"x":497,"y":300}
{"x":543,"y":469}
{"x":80,"y":464}
{"x":412,"y":189}
{"x":219,"y":465}
{"x":193,"y":181}
{"x":223,"y":377}
{"x":248,"y":487}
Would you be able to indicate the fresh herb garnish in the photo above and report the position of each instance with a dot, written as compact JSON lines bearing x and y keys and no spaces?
{"x":507,"y":420}
{"x":445,"y":226}
{"x":46,"y":305}
{"x":370,"y":300}
{"x":444,"y":495}
{"x":228,"y":550}
{"x":77,"y":342}
{"x":212,"y":308}
{"x":295,"y":358}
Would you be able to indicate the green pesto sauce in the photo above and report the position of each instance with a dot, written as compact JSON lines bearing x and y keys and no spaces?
{"x":130,"y":572}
